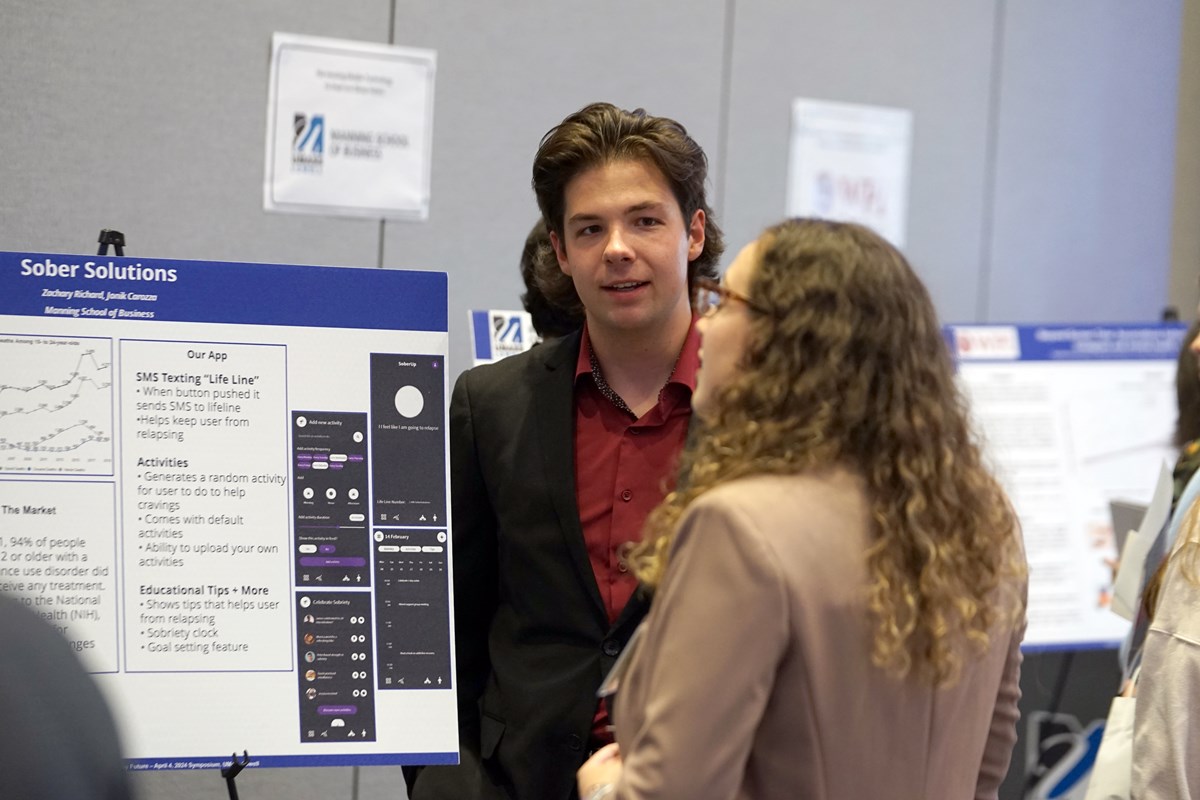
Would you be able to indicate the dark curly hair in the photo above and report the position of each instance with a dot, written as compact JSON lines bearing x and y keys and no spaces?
{"x":849,"y":367}
{"x":602,"y":133}
{"x":548,"y":319}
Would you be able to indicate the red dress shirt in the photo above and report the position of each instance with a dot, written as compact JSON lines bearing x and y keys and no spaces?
{"x":624,"y":466}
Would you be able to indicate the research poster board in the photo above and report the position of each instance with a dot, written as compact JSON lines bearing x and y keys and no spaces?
{"x":226,"y":485}
{"x":1072,"y":417}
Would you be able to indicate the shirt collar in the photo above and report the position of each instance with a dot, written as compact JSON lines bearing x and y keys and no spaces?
{"x":686,"y":366}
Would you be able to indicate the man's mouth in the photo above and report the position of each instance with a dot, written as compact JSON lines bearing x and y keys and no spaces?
{"x":625,"y":286}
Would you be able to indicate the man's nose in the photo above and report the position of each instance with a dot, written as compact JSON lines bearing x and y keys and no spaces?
{"x":617,"y":248}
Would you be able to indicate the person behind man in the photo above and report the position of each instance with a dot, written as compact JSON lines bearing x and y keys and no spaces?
{"x":549,"y":320}
{"x":558,"y":454}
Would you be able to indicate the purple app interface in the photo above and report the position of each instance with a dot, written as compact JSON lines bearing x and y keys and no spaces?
{"x":408,"y":440}
{"x":329,"y":470}
{"x":333,"y":642}
{"x":411,"y":608}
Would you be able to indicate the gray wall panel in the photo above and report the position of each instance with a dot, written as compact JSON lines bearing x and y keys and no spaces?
{"x":151,"y":118}
{"x":930,"y":57}
{"x":503,"y":81}
{"x":1084,"y":161}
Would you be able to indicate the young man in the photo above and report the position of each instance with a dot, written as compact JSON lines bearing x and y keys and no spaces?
{"x":558,"y":454}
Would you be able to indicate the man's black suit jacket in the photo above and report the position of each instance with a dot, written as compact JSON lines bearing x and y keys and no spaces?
{"x":532,"y":635}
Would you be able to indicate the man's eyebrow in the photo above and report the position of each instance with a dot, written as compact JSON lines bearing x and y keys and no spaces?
{"x":582,"y":218}
{"x":649,"y":205}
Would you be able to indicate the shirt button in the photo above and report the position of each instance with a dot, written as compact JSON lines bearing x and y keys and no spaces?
{"x":635,"y":431}
{"x":574,"y":741}
{"x":626,"y":495}
{"x":611,"y":647}
{"x":623,"y":567}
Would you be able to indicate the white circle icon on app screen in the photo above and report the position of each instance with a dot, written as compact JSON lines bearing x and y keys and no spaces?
{"x":409,"y":401}
{"x":331,"y":493}
{"x":358,"y":437}
{"x":301,"y":422}
{"x":353,"y":493}
{"x":308,"y":493}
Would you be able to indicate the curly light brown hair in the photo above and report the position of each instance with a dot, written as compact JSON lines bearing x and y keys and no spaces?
{"x":847,"y":366}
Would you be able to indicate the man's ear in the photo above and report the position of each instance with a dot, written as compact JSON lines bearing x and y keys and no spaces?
{"x":560,"y":252}
{"x":696,"y":235}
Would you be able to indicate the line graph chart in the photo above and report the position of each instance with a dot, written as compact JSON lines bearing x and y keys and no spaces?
{"x":56,"y":407}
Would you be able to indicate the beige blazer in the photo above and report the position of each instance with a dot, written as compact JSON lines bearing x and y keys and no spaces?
{"x":753,"y":678}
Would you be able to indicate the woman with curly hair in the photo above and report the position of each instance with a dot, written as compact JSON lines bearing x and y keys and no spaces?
{"x":839,"y":581}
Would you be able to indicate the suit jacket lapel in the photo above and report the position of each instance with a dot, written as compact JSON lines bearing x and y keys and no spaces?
{"x":554,"y":393}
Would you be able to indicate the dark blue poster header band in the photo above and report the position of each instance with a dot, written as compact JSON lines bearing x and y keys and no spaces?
{"x":1117,"y":342}
{"x":166,"y":290}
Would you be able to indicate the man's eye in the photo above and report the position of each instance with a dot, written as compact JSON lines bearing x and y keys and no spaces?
{"x":588,"y":231}
{"x":649,"y":221}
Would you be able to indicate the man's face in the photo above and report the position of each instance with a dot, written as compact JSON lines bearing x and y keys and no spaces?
{"x":626,"y":247}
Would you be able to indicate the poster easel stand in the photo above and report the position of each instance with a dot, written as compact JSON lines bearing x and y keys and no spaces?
{"x":231,"y":772}
{"x":115,"y":238}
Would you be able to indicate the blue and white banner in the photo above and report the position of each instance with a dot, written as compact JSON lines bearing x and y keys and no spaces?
{"x":1065,"y":342}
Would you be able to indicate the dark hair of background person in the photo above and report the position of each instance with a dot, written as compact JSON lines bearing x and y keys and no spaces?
{"x":549,"y":320}
{"x":57,"y":737}
{"x":599,"y":134}
{"x":1187,"y":390}
{"x":848,"y":366}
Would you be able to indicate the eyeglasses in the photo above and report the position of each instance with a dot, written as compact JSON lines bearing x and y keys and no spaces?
{"x":710,"y":296}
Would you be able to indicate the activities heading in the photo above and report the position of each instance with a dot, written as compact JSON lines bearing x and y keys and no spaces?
{"x":93,"y":270}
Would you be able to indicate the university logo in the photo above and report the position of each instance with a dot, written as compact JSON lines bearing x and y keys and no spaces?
{"x":508,"y":335}
{"x":308,"y":142}
{"x":499,"y":334}
{"x":983,"y":342}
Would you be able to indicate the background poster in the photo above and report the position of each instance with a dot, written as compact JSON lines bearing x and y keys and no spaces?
{"x":1072,"y":417}
{"x":349,"y":128}
{"x":850,"y":163}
